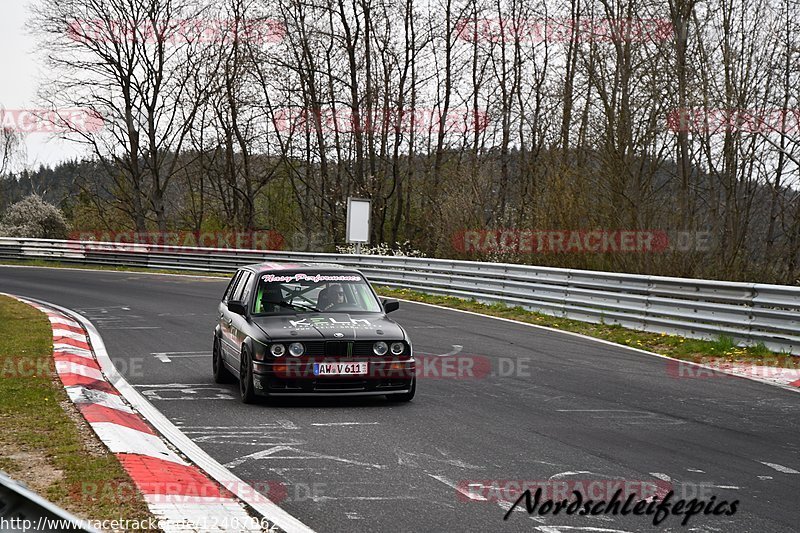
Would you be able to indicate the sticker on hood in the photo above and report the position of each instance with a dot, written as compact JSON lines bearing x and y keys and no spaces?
{"x":329,"y":323}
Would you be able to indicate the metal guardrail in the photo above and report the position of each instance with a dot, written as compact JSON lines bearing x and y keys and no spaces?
{"x":23,"y":510}
{"x":748,"y":312}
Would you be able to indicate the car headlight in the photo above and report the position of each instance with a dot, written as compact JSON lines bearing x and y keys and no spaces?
{"x":398,"y":348}
{"x":277,"y":350}
{"x":259,"y":351}
{"x":380,"y":348}
{"x":296,"y":349}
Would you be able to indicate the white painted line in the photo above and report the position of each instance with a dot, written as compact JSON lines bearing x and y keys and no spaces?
{"x":346,"y":424}
{"x":571,"y":473}
{"x":561,"y":529}
{"x":662,"y":477}
{"x":599,"y":411}
{"x":781,"y":468}
{"x":453,"y":485}
{"x":210,"y":466}
{"x":456,"y":349}
{"x":304,"y":455}
{"x":166,"y":357}
{"x":277,"y":424}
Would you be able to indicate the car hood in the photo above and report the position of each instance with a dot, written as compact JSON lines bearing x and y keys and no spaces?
{"x":333,"y":326}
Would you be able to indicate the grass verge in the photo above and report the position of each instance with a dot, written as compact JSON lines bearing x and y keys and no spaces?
{"x":722,"y":349}
{"x":45,"y":443}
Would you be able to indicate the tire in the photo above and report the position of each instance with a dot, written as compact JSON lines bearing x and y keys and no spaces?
{"x":406,"y":396}
{"x":221,"y":374}
{"x":246,"y":393}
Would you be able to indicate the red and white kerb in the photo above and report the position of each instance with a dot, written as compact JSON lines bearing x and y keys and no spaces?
{"x":179,"y":494}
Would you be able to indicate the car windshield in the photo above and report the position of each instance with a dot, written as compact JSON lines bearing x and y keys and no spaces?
{"x":312,"y":292}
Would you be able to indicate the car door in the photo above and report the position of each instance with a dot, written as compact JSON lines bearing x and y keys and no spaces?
{"x":225,"y":318}
{"x":237,"y":324}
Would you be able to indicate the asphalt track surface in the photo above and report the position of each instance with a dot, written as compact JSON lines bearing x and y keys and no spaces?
{"x":571,"y":409}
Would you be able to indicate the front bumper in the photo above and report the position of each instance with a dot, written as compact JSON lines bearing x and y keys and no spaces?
{"x":296,"y":378}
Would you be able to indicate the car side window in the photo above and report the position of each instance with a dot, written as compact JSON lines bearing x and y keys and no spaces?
{"x":231,"y":286}
{"x":244,"y":281}
{"x":247,"y":285}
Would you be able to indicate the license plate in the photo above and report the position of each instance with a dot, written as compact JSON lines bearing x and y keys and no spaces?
{"x":339,"y":369}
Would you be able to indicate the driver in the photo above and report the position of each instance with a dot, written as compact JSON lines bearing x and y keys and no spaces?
{"x":331,"y":297}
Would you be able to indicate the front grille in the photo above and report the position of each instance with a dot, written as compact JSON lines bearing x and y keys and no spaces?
{"x":338,"y":348}
{"x":356,"y":348}
{"x":315,"y":348}
{"x":359,"y":349}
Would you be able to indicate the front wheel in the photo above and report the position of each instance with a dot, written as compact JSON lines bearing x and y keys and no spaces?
{"x":246,"y":393}
{"x":406,"y":396}
{"x":221,"y":374}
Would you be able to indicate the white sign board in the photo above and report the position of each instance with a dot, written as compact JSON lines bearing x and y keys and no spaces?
{"x":358,"y":211}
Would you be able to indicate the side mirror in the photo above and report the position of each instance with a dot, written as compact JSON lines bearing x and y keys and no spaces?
{"x":237,"y":307}
{"x":390,"y":304}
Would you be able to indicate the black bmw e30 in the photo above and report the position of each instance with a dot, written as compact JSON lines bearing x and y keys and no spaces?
{"x":310,"y":329}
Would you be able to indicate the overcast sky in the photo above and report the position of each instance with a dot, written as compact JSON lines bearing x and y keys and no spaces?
{"x":19,"y":81}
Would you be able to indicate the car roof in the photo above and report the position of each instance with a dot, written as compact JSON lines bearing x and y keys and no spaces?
{"x":274,"y":266}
